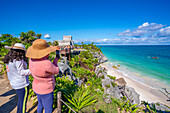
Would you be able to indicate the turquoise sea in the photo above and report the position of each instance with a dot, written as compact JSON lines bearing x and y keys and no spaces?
{"x":138,"y":63}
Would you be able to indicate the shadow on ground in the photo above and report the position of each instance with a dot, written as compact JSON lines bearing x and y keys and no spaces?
{"x":32,"y":109}
{"x":11,"y":104}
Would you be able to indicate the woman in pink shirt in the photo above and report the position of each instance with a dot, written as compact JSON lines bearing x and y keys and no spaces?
{"x":43,"y":73}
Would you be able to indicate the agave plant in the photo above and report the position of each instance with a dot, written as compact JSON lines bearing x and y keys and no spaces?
{"x":80,"y":99}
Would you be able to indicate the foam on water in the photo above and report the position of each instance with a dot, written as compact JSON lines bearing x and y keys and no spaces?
{"x":136,"y":65}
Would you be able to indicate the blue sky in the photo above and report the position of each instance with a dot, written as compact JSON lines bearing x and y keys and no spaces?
{"x":101,"y":21}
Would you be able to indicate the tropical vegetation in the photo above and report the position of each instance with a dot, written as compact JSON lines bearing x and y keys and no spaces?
{"x":87,"y":97}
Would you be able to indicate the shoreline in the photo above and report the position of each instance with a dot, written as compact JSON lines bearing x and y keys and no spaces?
{"x":147,"y":93}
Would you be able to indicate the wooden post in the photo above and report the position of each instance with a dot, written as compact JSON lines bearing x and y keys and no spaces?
{"x":59,"y":105}
{"x":69,"y":57}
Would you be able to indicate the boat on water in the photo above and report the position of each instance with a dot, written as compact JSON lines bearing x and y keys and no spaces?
{"x":154,"y":57}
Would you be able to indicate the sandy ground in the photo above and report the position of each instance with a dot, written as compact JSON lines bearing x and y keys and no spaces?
{"x":146,"y":93}
{"x":8,"y":98}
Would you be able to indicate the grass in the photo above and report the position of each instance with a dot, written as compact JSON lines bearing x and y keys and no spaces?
{"x":101,"y":107}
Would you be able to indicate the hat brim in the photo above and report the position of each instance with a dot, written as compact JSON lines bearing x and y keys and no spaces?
{"x":14,"y":47}
{"x":37,"y":54}
{"x":18,"y":48}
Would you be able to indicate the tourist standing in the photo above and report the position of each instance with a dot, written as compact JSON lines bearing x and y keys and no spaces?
{"x":17,"y":72}
{"x":43,"y":73}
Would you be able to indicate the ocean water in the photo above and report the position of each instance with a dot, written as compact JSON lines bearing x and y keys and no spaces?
{"x":136,"y":62}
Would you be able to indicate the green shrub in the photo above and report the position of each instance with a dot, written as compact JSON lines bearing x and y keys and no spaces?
{"x":157,"y":104}
{"x":113,"y":84}
{"x":65,"y":85}
{"x":111,"y":77}
{"x":127,"y":106}
{"x":81,"y":98}
{"x":90,"y":67}
{"x":124,"y":98}
{"x":107,"y":86}
{"x":101,"y":106}
{"x":102,"y":77}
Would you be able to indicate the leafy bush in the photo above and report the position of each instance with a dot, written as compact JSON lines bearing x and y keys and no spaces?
{"x":127,"y":106}
{"x":113,"y":84}
{"x":65,"y":85}
{"x":102,"y":77}
{"x":111,"y":77}
{"x":107,"y":86}
{"x":101,"y":106}
{"x":81,"y":72}
{"x":90,"y":66}
{"x":81,"y":98}
{"x":124,"y":98}
{"x":95,"y":84}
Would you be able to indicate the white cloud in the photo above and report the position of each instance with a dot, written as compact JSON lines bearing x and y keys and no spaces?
{"x":143,"y":30}
{"x":164,"y":32}
{"x":151,"y":26}
{"x":47,"y":36}
{"x":144,"y":25}
{"x":104,"y":40}
{"x":147,"y":33}
{"x":126,"y":40}
{"x":125,"y":33}
{"x":135,"y":33}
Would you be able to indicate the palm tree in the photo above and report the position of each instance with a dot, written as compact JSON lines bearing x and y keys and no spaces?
{"x":31,"y":33}
{"x":38,"y":35}
{"x":6,"y":39}
{"x":49,"y":43}
{"x":28,"y":37}
{"x":23,"y":36}
{"x":55,"y":43}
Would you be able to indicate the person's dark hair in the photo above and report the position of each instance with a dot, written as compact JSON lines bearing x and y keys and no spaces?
{"x":14,"y":54}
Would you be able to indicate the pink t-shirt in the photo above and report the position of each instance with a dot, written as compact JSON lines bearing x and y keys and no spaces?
{"x":43,"y":73}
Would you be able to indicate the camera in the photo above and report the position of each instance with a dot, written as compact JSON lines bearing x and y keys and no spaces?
{"x":58,"y":54}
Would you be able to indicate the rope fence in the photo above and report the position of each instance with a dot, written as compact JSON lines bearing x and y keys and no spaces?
{"x":59,"y":104}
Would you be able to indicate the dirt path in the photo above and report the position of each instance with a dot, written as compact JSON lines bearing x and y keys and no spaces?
{"x":8,"y":98}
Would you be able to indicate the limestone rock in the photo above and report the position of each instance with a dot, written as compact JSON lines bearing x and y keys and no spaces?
{"x":78,"y":81}
{"x":64,"y":69}
{"x":120,"y":82}
{"x":112,"y":91}
{"x":64,"y":60}
{"x":160,"y":107}
{"x":115,"y":92}
{"x":100,"y":71}
{"x":100,"y":56}
{"x":107,"y":99}
{"x":132,"y":95}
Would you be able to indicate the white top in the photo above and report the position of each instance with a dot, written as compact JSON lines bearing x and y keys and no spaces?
{"x":17,"y":74}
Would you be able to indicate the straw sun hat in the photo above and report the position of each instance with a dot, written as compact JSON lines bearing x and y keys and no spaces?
{"x":39,"y":49}
{"x":16,"y":46}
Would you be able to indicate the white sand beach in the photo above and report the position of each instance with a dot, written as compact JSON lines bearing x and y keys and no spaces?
{"x":146,"y":93}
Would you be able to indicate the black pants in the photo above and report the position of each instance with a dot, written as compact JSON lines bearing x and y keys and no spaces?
{"x":22,"y":99}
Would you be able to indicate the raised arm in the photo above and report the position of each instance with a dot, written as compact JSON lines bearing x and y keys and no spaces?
{"x":52,"y":68}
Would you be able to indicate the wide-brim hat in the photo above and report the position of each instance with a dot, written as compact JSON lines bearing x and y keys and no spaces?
{"x":39,"y":49}
{"x":19,"y":46}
